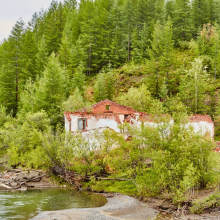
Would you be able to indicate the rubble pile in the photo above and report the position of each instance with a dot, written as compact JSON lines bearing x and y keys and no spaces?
{"x":217,"y":149}
{"x":19,"y":179}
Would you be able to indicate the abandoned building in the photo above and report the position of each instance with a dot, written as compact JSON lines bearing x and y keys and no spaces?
{"x":108,"y":114}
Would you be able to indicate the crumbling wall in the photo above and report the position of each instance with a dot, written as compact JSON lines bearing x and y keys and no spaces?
{"x":202,"y":127}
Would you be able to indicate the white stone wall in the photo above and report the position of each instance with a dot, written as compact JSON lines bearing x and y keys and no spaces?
{"x":67,"y":124}
{"x":74,"y":123}
{"x":202,"y":127}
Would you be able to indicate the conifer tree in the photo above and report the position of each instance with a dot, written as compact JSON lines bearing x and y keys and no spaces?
{"x":99,"y":88}
{"x":79,"y":79}
{"x":167,"y":42}
{"x":51,"y":89}
{"x":41,"y":56}
{"x":12,"y":75}
{"x":109,"y":86}
{"x":29,"y":50}
{"x":199,"y":14}
{"x":182,"y":20}
{"x":128,"y":23}
{"x":215,"y":49}
{"x":156,"y":51}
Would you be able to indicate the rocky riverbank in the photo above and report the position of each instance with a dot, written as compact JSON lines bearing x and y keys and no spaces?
{"x":118,"y":207}
{"x":23,"y":179}
{"x":122,"y":207}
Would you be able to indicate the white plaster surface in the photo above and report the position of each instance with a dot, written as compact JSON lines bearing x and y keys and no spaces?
{"x":202,"y":127}
{"x":74,"y":123}
{"x":103,"y":123}
{"x":67,"y":124}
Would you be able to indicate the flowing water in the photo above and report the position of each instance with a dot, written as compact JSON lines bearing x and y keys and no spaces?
{"x":27,"y":204}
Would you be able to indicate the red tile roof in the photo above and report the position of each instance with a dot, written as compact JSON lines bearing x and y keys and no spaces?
{"x":198,"y":118}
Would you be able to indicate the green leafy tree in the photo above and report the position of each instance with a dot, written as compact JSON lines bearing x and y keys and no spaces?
{"x":74,"y":102}
{"x":193,"y":87}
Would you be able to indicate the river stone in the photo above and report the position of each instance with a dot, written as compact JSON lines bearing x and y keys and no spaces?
{"x":20,"y":177}
{"x":36,"y":180}
{"x":33,"y":175}
{"x":13,"y":184}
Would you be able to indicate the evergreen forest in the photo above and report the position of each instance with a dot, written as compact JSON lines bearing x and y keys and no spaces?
{"x":155,"y":56}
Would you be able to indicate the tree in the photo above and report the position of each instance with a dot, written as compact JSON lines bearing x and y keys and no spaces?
{"x":51,"y":88}
{"x":193,"y":86}
{"x":139,"y":99}
{"x":199,"y":14}
{"x":182,"y":20}
{"x":41,"y":56}
{"x":12,"y":77}
{"x":128,"y":23}
{"x":79,"y":79}
{"x":29,"y":51}
{"x":156,"y":50}
{"x":109,"y":85}
{"x":167,"y":44}
{"x":99,"y":88}
{"x":27,"y":101}
{"x":74,"y":102}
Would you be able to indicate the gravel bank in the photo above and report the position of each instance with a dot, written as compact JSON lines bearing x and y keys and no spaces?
{"x":117,"y":207}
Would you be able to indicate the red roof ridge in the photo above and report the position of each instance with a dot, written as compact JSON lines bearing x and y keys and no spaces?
{"x":199,"y":117}
{"x":67,"y":114}
{"x":107,"y":100}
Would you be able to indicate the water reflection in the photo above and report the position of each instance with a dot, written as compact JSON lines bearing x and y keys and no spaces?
{"x":26,"y":204}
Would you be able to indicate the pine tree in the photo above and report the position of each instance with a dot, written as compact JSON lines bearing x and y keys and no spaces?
{"x":79,"y":79}
{"x":156,"y":50}
{"x":199,"y":14}
{"x":16,"y":62}
{"x":182,"y":20}
{"x":51,"y":88}
{"x":215,"y":49}
{"x":29,"y":50}
{"x":167,"y":44}
{"x":109,"y":85}
{"x":99,"y":88}
{"x":128,"y":24}
{"x":41,"y":56}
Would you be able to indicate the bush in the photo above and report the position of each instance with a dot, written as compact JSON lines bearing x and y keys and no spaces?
{"x":210,"y":202}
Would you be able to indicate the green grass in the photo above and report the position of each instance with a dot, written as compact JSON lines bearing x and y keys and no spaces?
{"x":124,"y":187}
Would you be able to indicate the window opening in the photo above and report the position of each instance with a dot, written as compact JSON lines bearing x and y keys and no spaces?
{"x":81,"y":123}
{"x":126,"y":116}
{"x":107,"y":107}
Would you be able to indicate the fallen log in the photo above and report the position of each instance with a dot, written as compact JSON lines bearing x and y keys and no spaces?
{"x":5,"y":186}
{"x":105,"y":178}
{"x":119,"y":179}
{"x":36,"y":178}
